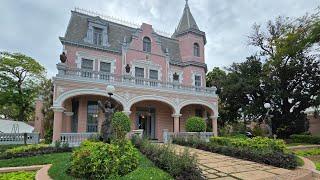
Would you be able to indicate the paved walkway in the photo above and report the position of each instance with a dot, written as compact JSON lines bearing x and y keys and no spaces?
{"x":217,"y":166}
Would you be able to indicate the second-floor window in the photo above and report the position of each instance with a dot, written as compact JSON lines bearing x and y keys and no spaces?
{"x":97,"y":36}
{"x":197,"y":80}
{"x":105,"y":69}
{"x":153,"y":74}
{"x":139,"y":74}
{"x":196,"y":50}
{"x":146,"y":44}
{"x":86,"y":67}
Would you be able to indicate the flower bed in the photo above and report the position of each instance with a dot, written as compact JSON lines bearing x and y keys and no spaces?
{"x":262,"y":150}
{"x":32,"y":150}
{"x":182,"y":166}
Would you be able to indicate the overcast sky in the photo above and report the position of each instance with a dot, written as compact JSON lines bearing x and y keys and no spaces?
{"x":33,"y":27}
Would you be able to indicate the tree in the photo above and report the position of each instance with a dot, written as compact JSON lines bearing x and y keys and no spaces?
{"x":291,"y":80}
{"x":239,"y":93}
{"x":46,"y":93}
{"x":20,"y":77}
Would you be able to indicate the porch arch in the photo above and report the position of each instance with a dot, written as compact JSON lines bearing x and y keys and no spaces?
{"x":152,"y":98}
{"x":68,"y":94}
{"x":212,"y":107}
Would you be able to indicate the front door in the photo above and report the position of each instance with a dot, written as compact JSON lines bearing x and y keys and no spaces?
{"x":145,"y":119}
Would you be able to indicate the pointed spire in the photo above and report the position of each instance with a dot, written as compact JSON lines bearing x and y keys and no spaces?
{"x":187,"y":21}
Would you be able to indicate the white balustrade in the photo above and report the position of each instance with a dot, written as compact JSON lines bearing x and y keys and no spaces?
{"x":75,"y":139}
{"x":19,"y":138}
{"x":81,"y":74}
{"x":168,"y":136}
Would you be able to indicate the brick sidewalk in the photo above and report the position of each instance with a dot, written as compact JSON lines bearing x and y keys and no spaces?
{"x":217,"y":166}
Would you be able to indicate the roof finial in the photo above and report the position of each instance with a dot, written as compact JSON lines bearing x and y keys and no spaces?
{"x":187,"y":3}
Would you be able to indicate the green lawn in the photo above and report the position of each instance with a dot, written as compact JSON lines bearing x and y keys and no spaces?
{"x":60,"y":162}
{"x":21,"y":175}
{"x":312,"y":154}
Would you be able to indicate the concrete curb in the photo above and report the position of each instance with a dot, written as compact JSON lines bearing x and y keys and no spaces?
{"x":22,"y":168}
{"x":42,"y":170}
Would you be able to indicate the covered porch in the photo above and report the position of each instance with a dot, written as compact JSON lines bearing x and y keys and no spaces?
{"x":78,"y":117}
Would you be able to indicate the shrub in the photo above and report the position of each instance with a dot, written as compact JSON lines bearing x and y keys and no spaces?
{"x":262,"y":150}
{"x":297,"y":138}
{"x":195,"y":124}
{"x":97,"y":160}
{"x":182,"y":166}
{"x":121,"y":124}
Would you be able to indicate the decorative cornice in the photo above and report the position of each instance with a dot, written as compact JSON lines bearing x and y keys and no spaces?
{"x":86,"y":45}
{"x":189,"y":63}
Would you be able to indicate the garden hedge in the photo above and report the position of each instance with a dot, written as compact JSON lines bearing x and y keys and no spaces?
{"x":181,"y":167}
{"x":32,"y":150}
{"x":261,"y":153}
{"x":297,"y":138}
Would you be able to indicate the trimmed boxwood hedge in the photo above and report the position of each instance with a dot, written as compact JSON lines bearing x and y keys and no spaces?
{"x":297,"y":138}
{"x":32,"y":150}
{"x":275,"y":158}
{"x":195,"y":124}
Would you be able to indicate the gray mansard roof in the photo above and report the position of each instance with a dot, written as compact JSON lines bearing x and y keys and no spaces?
{"x":77,"y":31}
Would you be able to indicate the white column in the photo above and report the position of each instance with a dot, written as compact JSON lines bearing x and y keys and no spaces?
{"x":127,"y":113}
{"x":214,"y":125}
{"x":176,"y":122}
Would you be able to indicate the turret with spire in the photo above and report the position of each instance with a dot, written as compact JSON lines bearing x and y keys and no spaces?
{"x":191,"y":38}
{"x":187,"y":24}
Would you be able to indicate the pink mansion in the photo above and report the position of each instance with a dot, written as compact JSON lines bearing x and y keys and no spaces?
{"x":159,"y":81}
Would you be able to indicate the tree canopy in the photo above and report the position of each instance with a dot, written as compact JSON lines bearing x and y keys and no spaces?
{"x":20,"y":77}
{"x":285,"y":72}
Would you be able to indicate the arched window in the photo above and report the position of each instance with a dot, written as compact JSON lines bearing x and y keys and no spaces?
{"x":196,"y":50}
{"x":146,"y":44}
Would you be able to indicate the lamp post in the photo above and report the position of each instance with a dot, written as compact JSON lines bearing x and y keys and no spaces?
{"x":268,"y":107}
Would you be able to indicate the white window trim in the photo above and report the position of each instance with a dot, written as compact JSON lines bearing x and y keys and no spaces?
{"x":84,"y":55}
{"x":193,"y":78}
{"x":147,"y":65}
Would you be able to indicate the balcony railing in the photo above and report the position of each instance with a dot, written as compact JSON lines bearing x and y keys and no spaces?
{"x":98,"y":76}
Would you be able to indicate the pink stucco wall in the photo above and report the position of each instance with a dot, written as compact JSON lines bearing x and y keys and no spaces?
{"x":156,"y":56}
{"x":186,"y":47}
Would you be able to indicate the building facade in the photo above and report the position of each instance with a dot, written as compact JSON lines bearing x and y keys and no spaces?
{"x":159,"y":81}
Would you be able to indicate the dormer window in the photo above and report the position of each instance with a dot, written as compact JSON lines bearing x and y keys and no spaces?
{"x":196,"y":50}
{"x":97,"y":32}
{"x":97,"y":36}
{"x":146,"y":44}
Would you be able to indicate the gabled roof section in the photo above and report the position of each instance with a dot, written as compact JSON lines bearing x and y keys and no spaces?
{"x":187,"y":21}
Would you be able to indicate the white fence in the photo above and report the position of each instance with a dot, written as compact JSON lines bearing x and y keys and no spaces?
{"x":75,"y":139}
{"x":168,"y":136}
{"x":19,"y":138}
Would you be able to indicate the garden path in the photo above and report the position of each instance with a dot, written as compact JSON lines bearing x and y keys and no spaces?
{"x":217,"y":166}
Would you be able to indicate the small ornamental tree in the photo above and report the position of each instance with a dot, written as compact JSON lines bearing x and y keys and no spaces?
{"x":121,"y":124}
{"x":195,"y":124}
